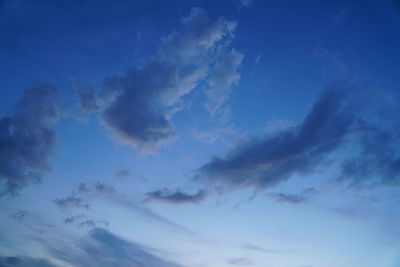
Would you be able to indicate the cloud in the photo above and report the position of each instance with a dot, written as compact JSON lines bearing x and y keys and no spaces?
{"x":138,"y":105}
{"x":123,"y":173}
{"x":177,"y":197}
{"x":266,"y":161}
{"x":378,"y":161}
{"x":301,"y":198}
{"x":265,"y":250}
{"x":87,"y":100}
{"x":19,"y":215}
{"x":243,"y":3}
{"x":99,"y":247}
{"x":222,"y":77}
{"x":340,"y":118}
{"x":104,"y":188}
{"x":71,"y":202}
{"x":103,"y":248}
{"x":75,"y":200}
{"x":24,"y":262}
{"x":240,"y":261}
{"x":27,"y":138}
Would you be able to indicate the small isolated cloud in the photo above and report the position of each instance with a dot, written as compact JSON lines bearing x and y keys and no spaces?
{"x":123,"y":173}
{"x":104,"y":188}
{"x":72,"y":219}
{"x":240,"y":262}
{"x":301,"y":198}
{"x":240,"y":4}
{"x":84,"y":222}
{"x":177,"y":197}
{"x":340,"y":16}
{"x":265,"y":250}
{"x":19,"y":215}
{"x":71,"y":202}
{"x":258,"y":59}
{"x":138,"y":105}
{"x":27,"y":138}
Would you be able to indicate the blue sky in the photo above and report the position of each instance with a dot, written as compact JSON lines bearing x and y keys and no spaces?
{"x":199,"y":133}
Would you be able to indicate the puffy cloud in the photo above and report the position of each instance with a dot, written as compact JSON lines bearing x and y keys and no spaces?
{"x":347,"y":114}
{"x":27,"y":138}
{"x":138,"y":105}
{"x":177,"y":197}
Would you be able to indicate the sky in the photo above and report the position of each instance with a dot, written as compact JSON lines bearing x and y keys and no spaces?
{"x":199,"y":133}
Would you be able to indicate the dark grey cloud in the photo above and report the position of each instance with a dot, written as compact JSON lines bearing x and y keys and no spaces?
{"x":300,"y":198}
{"x":87,"y":100}
{"x":83,"y":222}
{"x":138,"y":105}
{"x":177,"y":197}
{"x":27,"y":138}
{"x":337,"y":120}
{"x":24,"y":262}
{"x":98,"y":187}
{"x":266,"y":161}
{"x":104,"y":188}
{"x":103,"y":248}
{"x":82,"y":188}
{"x":72,"y":202}
{"x":72,"y":219}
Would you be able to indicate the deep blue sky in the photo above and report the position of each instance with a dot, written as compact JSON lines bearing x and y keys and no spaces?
{"x":199,"y":133}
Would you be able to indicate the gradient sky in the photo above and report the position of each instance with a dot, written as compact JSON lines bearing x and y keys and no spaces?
{"x":200,"y":133}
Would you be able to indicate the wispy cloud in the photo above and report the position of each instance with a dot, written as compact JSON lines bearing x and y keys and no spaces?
{"x":240,"y":262}
{"x":336,"y":118}
{"x":99,"y":248}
